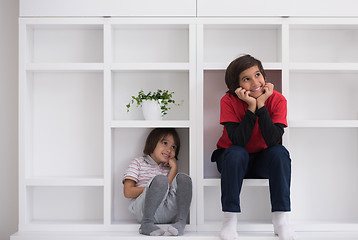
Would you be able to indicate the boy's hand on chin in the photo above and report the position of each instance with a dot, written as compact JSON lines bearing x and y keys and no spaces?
{"x":268,"y":90}
{"x":244,"y":95}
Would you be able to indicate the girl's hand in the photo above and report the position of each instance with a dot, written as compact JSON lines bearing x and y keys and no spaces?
{"x":173,"y":170}
{"x":172,"y":163}
{"x":244,"y":96}
{"x":268,"y":90}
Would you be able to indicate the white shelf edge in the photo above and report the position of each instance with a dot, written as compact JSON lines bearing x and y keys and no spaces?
{"x":322,"y":123}
{"x":246,"y":21}
{"x":223,"y":66}
{"x":312,"y":66}
{"x":116,"y":228}
{"x":62,"y":226}
{"x":64,"y":67}
{"x":149,"y":124}
{"x":242,"y":226}
{"x":323,"y":226}
{"x":153,"y":20}
{"x":48,"y":181}
{"x":150,"y":66}
{"x":215,"y":182}
{"x":61,"y":21}
{"x":100,"y":66}
{"x":314,"y":21}
{"x":133,"y":226}
{"x":297,"y":226}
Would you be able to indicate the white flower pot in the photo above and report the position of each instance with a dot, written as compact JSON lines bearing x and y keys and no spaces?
{"x":151,"y":110}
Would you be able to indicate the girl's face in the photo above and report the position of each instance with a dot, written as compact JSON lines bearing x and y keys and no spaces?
{"x":164,"y":150}
{"x":252,"y":80}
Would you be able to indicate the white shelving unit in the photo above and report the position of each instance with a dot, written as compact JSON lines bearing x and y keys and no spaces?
{"x":76,"y":77}
{"x":76,"y":138}
{"x":314,"y":63}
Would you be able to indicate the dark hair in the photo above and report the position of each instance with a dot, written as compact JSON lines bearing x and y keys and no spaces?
{"x":157,"y":135}
{"x":236,"y":67}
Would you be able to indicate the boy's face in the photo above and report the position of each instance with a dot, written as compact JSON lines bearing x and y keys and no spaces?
{"x":252,"y":80}
{"x":164,"y":150}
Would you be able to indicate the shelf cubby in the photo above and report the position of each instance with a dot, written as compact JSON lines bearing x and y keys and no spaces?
{"x":323,"y":43}
{"x":150,"y":43}
{"x":225,"y":42}
{"x":324,"y":162}
{"x":127,"y":144}
{"x":65,"y":205}
{"x":323,"y":95}
{"x":65,"y":43}
{"x":173,"y":81}
{"x":65,"y":113}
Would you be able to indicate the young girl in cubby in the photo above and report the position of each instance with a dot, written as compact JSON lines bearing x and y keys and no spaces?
{"x":159,"y":193}
{"x":253,"y":116}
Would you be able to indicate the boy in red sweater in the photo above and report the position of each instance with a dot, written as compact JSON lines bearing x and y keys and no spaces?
{"x":254,"y":118}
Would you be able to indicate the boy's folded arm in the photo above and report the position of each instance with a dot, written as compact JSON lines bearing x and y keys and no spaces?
{"x":130,"y":190}
{"x":271,"y":132}
{"x":240,"y":133}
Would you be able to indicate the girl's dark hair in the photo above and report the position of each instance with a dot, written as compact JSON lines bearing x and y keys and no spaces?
{"x":157,"y":135}
{"x":236,"y":67}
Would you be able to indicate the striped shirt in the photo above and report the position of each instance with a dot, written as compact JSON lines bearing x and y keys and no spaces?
{"x":143,"y":169}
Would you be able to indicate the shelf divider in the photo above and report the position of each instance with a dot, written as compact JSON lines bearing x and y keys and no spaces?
{"x":149,"y":124}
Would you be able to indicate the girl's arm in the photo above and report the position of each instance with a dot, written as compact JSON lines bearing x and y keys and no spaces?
{"x":173,"y":170}
{"x":130,"y":190}
{"x":240,"y":133}
{"x":271,"y":132}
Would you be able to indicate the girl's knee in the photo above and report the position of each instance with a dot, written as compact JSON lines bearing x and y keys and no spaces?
{"x":183,"y":178}
{"x":160,"y":181}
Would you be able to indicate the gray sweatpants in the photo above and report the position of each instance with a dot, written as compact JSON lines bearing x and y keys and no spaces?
{"x":167,"y":210}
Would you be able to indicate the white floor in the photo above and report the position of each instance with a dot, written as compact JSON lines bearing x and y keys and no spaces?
{"x":187,"y":235}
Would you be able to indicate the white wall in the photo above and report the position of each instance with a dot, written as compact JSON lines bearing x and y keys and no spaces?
{"x":8,"y":117}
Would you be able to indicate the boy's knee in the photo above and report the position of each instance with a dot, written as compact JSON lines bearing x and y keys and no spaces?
{"x":237,"y":151}
{"x":280,"y":154}
{"x":236,"y":155}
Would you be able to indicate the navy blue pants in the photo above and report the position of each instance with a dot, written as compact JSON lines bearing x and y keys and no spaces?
{"x":273,"y":163}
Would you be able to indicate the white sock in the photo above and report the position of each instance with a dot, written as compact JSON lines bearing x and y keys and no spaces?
{"x":228,"y":230}
{"x":281,"y":226}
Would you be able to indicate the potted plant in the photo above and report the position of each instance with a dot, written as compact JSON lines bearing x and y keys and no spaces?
{"x":155,"y":105}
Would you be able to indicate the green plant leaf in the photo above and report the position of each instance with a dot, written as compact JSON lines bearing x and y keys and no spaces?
{"x":164,"y":95}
